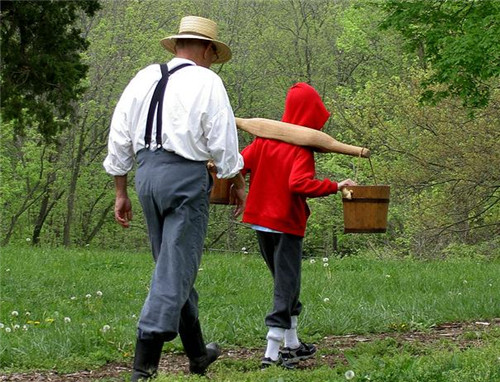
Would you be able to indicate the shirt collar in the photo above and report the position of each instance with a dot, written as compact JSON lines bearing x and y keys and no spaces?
{"x":176,"y":61}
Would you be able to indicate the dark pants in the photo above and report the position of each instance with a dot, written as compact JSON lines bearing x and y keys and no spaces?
{"x":173,"y":192}
{"x":283,"y":256}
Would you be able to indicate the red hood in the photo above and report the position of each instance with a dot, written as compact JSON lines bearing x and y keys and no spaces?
{"x":303,"y":106}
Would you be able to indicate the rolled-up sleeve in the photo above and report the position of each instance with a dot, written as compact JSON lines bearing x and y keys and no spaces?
{"x":120,"y":158}
{"x":222,"y":137}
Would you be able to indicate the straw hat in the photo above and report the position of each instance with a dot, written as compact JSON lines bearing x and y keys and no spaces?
{"x":202,"y":29}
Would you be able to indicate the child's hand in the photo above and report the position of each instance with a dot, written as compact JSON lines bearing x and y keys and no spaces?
{"x":346,"y":183}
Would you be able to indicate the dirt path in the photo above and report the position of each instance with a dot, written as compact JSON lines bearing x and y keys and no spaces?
{"x":177,"y":362}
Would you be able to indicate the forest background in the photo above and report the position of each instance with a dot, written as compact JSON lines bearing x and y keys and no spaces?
{"x":417,"y":82}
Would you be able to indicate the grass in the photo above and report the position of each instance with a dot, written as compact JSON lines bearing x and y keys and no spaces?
{"x":77,"y":309}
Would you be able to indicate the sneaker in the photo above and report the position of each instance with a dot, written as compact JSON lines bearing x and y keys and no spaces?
{"x":268,"y":362}
{"x":293,"y":356}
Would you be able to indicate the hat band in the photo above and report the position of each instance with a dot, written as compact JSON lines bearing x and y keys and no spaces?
{"x":195,"y":34}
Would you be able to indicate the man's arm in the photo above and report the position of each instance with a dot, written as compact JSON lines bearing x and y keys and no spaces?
{"x":123,"y":206}
{"x":238,"y":193}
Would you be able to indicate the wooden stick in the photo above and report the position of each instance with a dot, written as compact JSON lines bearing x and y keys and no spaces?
{"x":298,"y":135}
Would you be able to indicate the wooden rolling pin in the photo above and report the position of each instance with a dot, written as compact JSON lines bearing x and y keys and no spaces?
{"x":298,"y":135}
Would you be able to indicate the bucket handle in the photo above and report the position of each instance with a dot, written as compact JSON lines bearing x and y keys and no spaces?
{"x":356,"y":168}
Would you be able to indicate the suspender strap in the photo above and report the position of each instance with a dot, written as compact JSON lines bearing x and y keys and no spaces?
{"x":157,"y":105}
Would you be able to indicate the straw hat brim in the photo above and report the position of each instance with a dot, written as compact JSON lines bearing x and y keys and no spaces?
{"x":223,"y":51}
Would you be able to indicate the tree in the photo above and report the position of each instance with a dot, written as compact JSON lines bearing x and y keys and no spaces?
{"x":459,"y":39}
{"x":41,"y":63}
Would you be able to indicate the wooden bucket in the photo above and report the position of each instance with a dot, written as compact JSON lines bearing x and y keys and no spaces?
{"x":220,"y":190}
{"x":365,"y":209}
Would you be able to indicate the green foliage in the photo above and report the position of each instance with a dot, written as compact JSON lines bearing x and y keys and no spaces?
{"x":441,"y":163}
{"x":459,"y":39}
{"x":41,"y":66}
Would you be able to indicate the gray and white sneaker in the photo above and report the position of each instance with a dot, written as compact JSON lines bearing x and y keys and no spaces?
{"x":293,"y":356}
{"x":268,"y":362}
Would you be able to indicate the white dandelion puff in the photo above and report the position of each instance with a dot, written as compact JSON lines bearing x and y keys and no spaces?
{"x":88,"y":295}
{"x":326,"y":299}
{"x":325,"y":264}
{"x":2,"y":326}
{"x":312,"y":261}
{"x":349,"y":374}
{"x":8,"y":330}
{"x":25,"y":328}
{"x":73,"y":298}
{"x":98,"y":293}
{"x":325,"y":259}
{"x":16,"y":327}
{"x":106,"y":328}
{"x":67,"y":320}
{"x":15,"y":313}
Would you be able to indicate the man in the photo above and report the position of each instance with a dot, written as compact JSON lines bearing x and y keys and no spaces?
{"x":172,"y":137}
{"x":282,"y":177}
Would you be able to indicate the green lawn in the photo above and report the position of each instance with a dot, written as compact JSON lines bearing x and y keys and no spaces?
{"x":70,"y":310}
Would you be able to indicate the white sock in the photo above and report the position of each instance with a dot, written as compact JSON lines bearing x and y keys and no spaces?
{"x":274,"y":339}
{"x":291,"y":338}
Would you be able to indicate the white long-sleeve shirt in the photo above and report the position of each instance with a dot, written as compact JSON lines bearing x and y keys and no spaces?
{"x":198,"y":121}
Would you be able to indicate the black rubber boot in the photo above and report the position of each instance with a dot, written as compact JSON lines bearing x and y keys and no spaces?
{"x":200,"y":356}
{"x":146,"y":359}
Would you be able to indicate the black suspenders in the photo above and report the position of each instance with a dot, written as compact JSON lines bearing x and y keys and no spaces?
{"x":157,"y":105}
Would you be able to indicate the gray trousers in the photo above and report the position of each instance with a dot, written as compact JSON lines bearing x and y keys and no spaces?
{"x":174,"y":194}
{"x":283,"y":256}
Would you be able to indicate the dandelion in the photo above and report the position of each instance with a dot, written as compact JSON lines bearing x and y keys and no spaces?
{"x":28,"y":239}
{"x":312,"y":261}
{"x":1,"y":325}
{"x":200,"y":269}
{"x":98,"y":293}
{"x":88,"y":295}
{"x":106,"y":328}
{"x":134,"y":316}
{"x":465,"y":281}
{"x":27,"y":314}
{"x":49,"y":320}
{"x":67,"y":320}
{"x":325,"y":259}
{"x":8,"y":330}
{"x":73,"y":298}
{"x":349,"y":374}
{"x":325,"y":265}
{"x":326,"y":299}
{"x":25,"y":328}
{"x":15,"y":313}
{"x":244,"y":249}
{"x":16,"y":326}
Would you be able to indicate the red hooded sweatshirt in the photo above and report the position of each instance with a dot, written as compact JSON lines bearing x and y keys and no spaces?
{"x":282,"y":175}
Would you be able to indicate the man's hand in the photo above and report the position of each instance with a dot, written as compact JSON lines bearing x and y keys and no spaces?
{"x":237,"y":194}
{"x":123,"y":211}
{"x":123,"y":206}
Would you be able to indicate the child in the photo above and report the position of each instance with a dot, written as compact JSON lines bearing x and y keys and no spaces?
{"x":282,"y":176}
